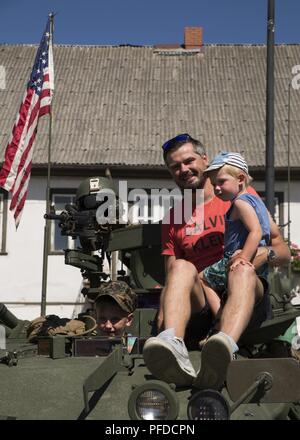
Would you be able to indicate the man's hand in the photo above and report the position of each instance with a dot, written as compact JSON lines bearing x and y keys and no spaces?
{"x":237,"y":258}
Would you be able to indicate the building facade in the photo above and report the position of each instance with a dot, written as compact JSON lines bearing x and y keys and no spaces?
{"x":113,"y":108}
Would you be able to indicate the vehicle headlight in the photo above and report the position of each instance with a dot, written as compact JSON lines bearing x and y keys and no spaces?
{"x":208,"y":405}
{"x":154,"y":400}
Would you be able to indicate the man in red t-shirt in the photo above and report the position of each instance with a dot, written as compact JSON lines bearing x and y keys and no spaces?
{"x":186,"y":255}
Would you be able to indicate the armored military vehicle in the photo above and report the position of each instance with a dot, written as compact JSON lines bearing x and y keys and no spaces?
{"x":95,"y":377}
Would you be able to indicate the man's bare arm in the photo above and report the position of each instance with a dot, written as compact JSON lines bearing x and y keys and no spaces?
{"x":279,"y":247}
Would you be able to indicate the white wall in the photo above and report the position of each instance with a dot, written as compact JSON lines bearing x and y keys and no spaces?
{"x":21,"y":269}
{"x":294,"y":206}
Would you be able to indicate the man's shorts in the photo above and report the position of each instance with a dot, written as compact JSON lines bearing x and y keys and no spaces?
{"x":201,"y":323}
{"x":262,"y":309}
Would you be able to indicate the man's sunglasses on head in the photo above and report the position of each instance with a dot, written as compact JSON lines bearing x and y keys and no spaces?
{"x":179,"y":138}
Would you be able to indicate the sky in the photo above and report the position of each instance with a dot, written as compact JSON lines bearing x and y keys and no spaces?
{"x":147,"y":22}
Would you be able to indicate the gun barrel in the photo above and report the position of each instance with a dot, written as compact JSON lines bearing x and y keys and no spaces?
{"x":8,"y":318}
{"x":53,"y":216}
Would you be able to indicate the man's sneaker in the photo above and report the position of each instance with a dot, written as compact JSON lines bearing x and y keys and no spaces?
{"x":167,"y":359}
{"x":216,"y":355}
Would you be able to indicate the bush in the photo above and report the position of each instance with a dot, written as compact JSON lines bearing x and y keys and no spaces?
{"x":295,"y":257}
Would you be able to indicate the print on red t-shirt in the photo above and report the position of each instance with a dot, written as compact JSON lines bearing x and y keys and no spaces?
{"x":200,"y":249}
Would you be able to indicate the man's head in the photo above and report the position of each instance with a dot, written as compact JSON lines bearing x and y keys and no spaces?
{"x":115,"y":305}
{"x":229,"y":175}
{"x":186,"y":160}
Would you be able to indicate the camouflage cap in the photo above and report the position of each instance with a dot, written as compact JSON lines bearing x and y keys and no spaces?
{"x":121,"y":293}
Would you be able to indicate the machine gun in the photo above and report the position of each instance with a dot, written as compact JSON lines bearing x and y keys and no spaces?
{"x":80,"y":224}
{"x":79,"y":220}
{"x":139,"y":245}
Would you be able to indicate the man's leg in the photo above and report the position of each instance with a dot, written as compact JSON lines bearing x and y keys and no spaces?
{"x":182,"y":291}
{"x":244,"y":289}
{"x":166,"y":355}
{"x":182,"y":295}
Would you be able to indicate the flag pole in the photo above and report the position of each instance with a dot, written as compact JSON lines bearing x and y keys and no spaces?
{"x":270,"y":173}
{"x":47,"y":223}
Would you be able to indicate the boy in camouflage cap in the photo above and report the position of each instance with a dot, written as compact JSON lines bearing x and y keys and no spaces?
{"x":115,"y":305}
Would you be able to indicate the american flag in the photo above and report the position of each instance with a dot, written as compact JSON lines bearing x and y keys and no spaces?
{"x":16,"y":169}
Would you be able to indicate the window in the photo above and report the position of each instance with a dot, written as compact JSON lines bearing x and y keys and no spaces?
{"x":60,"y":198}
{"x":154,"y":209}
{"x":278,"y":214}
{"x":3,"y":220}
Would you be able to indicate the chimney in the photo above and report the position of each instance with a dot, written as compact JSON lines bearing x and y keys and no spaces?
{"x":193,"y":37}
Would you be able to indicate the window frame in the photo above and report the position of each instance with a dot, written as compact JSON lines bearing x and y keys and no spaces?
{"x":148,"y":191}
{"x":280,"y":197}
{"x":58,"y":192}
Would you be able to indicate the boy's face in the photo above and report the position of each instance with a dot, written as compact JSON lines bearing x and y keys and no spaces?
{"x":225,"y":185}
{"x":111,"y":319}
